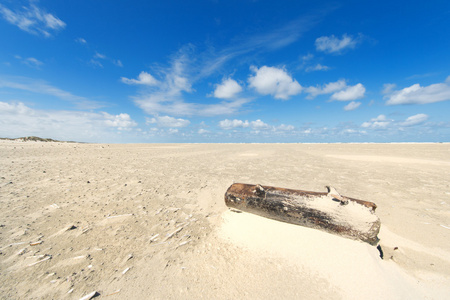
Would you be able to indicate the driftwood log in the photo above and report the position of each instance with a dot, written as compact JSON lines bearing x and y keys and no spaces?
{"x":331,"y":212}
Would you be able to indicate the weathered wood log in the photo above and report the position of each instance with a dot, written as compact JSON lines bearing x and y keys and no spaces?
{"x":331,"y":212}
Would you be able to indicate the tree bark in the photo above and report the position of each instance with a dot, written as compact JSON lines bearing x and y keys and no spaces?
{"x":331,"y":212}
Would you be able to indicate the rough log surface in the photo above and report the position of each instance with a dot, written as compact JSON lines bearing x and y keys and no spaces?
{"x":330,"y":211}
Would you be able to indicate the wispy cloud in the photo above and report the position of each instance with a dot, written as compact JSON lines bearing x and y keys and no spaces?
{"x":32,"y":19}
{"x":98,"y":58}
{"x":95,"y":60}
{"x":99,"y":55}
{"x":30,"y":61}
{"x":117,"y":62}
{"x":309,"y":64}
{"x":226,"y":107}
{"x":317,"y":67}
{"x":187,"y":67}
{"x":278,"y":37}
{"x":41,"y":87}
{"x":33,"y":62}
{"x":81,"y":41}
{"x":388,"y":88}
{"x":153,"y":104}
{"x":95,"y":63}
{"x":17,"y":119}
{"x":417,"y":94}
{"x":307,"y":57}
{"x":274,"y":81}
{"x":335,"y":45}
{"x":167,"y":97}
{"x":254,"y":44}
{"x":419,"y":76}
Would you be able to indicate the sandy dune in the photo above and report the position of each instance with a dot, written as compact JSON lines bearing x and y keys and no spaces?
{"x":149,"y":222}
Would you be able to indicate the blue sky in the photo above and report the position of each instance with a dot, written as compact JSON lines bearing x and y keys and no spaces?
{"x":225,"y":71}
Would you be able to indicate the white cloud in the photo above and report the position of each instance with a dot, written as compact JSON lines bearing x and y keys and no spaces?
{"x":380,"y":118}
{"x":143,"y":78}
{"x":41,"y":87}
{"x":17,"y":119}
{"x":227,"y":89}
{"x":340,"y":90}
{"x":121,"y":121}
{"x":14,"y":108}
{"x":349,"y":130}
{"x":350,"y":93}
{"x":380,"y":122}
{"x":257,"y":125}
{"x":328,"y":88}
{"x":415,"y":120}
{"x":32,"y":19}
{"x":417,"y":94}
{"x":230,"y":124}
{"x":118,"y":63}
{"x":284,"y":127}
{"x":167,"y":121}
{"x":332,"y":44}
{"x":202,"y":131}
{"x":317,"y":67}
{"x":274,"y":81}
{"x":352,"y":106}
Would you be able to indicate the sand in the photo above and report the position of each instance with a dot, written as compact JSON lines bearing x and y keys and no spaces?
{"x":148,"y":221}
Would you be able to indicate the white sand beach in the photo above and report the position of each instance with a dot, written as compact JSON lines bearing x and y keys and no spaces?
{"x":149,"y":221}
